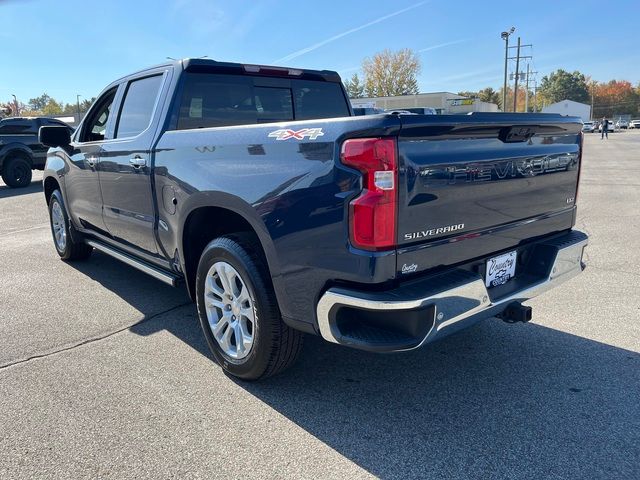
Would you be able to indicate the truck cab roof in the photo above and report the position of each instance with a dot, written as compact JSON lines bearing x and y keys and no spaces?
{"x":209,"y":65}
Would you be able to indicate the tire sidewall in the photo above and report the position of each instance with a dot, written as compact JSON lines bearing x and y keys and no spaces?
{"x":254,"y":364}
{"x":9,"y":172}
{"x":56,"y":196}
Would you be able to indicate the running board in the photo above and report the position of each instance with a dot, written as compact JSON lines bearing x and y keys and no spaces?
{"x":155,"y":272}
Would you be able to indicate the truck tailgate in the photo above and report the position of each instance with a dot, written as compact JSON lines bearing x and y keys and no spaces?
{"x":472,"y":185}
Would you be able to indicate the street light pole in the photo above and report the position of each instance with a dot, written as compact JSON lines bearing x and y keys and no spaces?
{"x":78,"y":105}
{"x":505,"y":37}
{"x":592,"y":88}
{"x":16,"y":108}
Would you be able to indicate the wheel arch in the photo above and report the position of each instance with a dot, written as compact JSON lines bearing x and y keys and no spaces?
{"x":15,"y":149}
{"x":50,"y":184}
{"x":211,"y":215}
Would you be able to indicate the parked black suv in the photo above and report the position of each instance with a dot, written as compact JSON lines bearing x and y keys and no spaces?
{"x":20,"y":150}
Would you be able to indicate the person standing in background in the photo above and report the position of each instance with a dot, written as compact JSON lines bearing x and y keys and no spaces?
{"x":605,"y":128}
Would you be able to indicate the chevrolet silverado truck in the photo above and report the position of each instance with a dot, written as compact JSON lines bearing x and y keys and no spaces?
{"x":284,"y":214}
{"x":20,"y":150}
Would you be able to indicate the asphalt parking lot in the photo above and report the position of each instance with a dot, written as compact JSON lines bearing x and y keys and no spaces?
{"x":104,"y":372}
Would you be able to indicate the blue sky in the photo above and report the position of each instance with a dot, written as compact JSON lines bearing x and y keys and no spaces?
{"x":69,"y":47}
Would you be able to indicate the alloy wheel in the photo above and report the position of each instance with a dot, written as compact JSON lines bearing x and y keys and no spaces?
{"x":230,"y":310}
{"x":59,"y":227}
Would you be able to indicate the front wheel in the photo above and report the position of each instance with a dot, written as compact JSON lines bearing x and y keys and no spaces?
{"x":68,"y":247}
{"x":238,"y":311}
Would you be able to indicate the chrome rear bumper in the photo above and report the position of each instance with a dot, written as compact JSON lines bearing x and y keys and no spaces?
{"x":441,"y":304}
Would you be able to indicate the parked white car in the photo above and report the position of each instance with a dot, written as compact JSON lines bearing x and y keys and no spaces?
{"x":589,"y":127}
{"x":622,"y":124}
{"x":611,"y":128}
{"x":634,"y":123}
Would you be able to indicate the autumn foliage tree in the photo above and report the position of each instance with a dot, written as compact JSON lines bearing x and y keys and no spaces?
{"x":391,"y":73}
{"x":616,"y":97}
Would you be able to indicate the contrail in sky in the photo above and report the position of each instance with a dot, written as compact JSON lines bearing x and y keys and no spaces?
{"x":440,"y":45}
{"x":315,"y":46}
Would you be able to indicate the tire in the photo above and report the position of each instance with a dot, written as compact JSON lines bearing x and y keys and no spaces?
{"x":251,"y":311}
{"x":65,"y":239}
{"x":16,"y":172}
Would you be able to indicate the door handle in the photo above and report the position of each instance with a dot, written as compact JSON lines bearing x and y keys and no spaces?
{"x":138,"y":162}
{"x":92,"y":161}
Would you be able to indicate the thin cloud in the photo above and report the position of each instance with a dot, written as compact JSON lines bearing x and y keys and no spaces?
{"x":442,"y":45}
{"x":349,"y":69}
{"x":465,"y":75}
{"x":315,"y":46}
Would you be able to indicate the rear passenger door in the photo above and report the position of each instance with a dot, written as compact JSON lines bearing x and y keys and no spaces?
{"x":125,"y":168}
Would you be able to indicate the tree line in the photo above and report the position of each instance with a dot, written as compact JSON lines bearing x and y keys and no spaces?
{"x":390,"y":73}
{"x":609,"y":99}
{"x":47,"y":105}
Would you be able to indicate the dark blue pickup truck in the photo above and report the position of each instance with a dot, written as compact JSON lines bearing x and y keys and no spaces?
{"x":284,"y":214}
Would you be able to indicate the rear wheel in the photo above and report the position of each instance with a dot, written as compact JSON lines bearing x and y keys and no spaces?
{"x":16,"y":172}
{"x":67,"y":244}
{"x":238,"y":312}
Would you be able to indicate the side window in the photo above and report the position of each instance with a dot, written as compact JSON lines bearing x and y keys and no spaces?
{"x":95,"y":126}
{"x":216,"y":101}
{"x":137,"y":108}
{"x":18,"y":127}
{"x":212,"y":100}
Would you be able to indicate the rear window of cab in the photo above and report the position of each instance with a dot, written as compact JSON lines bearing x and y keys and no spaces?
{"x":215,"y":100}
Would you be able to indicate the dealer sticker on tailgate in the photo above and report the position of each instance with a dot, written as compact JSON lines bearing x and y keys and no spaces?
{"x":500,"y":269}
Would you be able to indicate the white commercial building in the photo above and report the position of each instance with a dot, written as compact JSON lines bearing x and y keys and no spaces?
{"x":443,"y":102}
{"x":570,"y":108}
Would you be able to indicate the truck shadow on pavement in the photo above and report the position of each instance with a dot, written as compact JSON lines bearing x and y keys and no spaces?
{"x":494,"y":401}
{"x":34,"y":187}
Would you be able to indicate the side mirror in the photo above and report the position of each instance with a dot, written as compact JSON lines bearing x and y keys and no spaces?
{"x":54,"y":136}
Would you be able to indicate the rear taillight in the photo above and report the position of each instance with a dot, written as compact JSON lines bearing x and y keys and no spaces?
{"x":575,"y":200}
{"x":372,"y":215}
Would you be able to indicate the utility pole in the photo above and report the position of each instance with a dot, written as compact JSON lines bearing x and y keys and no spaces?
{"x":517,"y":58}
{"x":535,"y":96}
{"x":78,"y":105}
{"x":515,"y":88}
{"x":16,"y":107}
{"x":526,"y":92}
{"x":526,"y":96}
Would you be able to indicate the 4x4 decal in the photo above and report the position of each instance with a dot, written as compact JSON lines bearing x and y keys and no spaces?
{"x":286,"y":134}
